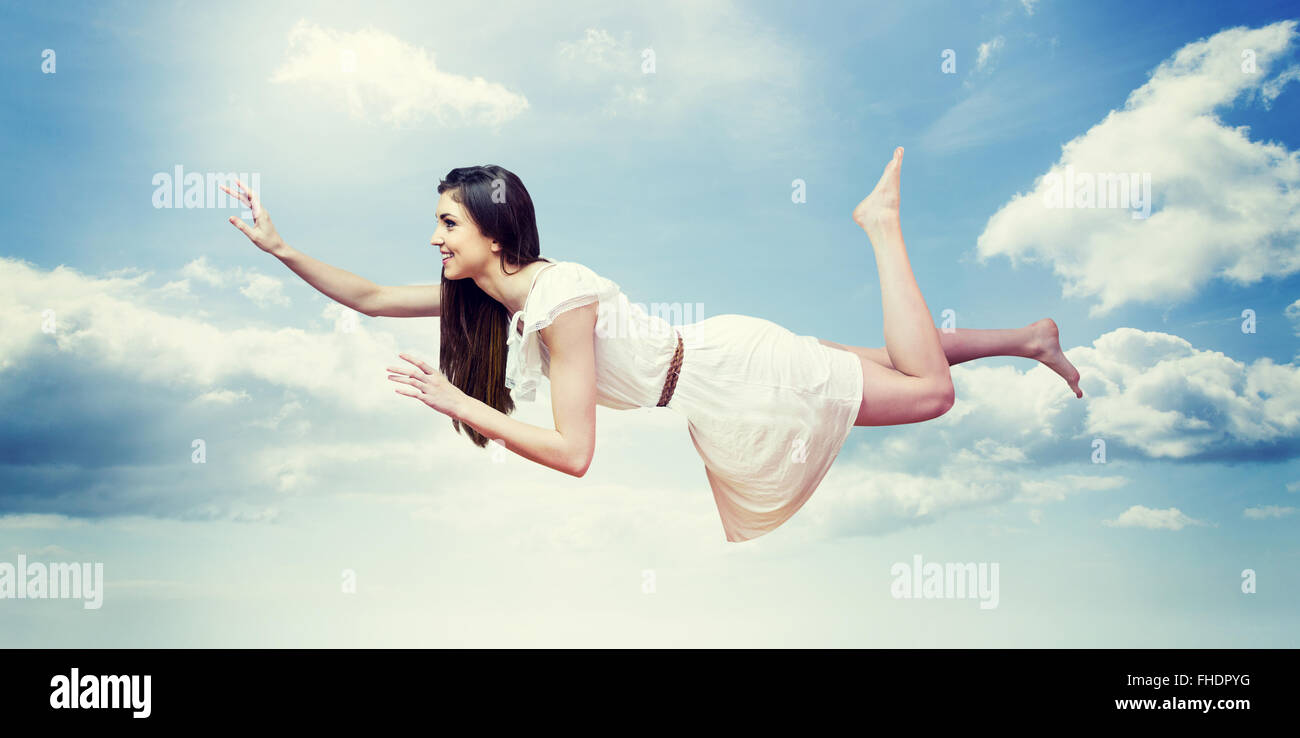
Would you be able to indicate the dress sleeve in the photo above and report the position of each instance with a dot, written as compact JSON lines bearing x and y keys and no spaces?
{"x":565,"y":286}
{"x":562,"y":287}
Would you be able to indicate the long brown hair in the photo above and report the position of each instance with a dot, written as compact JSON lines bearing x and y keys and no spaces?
{"x":472,"y":352}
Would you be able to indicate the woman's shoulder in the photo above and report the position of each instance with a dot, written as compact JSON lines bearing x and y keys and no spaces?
{"x":568,"y":282}
{"x":573,"y":273}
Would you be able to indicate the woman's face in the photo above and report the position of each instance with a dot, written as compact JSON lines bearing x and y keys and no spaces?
{"x":458,"y":237}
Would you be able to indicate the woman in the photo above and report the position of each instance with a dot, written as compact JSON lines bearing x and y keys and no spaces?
{"x":767,"y":410}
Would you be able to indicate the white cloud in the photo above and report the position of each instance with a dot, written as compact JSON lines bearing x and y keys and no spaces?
{"x":990,"y":450}
{"x":175,"y":289}
{"x":200,"y":270}
{"x":987,"y":51}
{"x":1267,"y":511}
{"x":862,"y":498}
{"x":1029,"y":6}
{"x":369,"y":71}
{"x":138,"y":382}
{"x":1292,"y":312}
{"x":597,"y":48}
{"x":262,"y":289}
{"x":710,"y":58}
{"x":1039,"y":491}
{"x":37,"y":521}
{"x":1158,"y":393}
{"x":855,"y":499}
{"x":223,"y":397}
{"x":105,"y":323}
{"x":1225,"y":206}
{"x":600,"y":60}
{"x":1273,"y":87}
{"x":1145,"y":517}
{"x":287,"y":409}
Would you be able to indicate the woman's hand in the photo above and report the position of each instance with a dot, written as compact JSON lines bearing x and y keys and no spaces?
{"x":432,"y":387}
{"x":263,"y":231}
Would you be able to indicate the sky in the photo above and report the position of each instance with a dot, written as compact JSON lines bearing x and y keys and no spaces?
{"x":662,"y":144}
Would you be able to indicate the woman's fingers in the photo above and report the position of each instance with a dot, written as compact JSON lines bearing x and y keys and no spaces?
{"x":404,"y":380}
{"x":423,"y":366}
{"x":237,"y":197}
{"x":407,"y":376}
{"x":249,"y":198}
{"x":254,"y":202}
{"x":243,"y":227}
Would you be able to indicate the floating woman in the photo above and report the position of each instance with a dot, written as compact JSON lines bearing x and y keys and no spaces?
{"x":767,"y":410}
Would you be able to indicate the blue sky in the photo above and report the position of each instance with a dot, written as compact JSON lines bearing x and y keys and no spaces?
{"x":677,"y":185}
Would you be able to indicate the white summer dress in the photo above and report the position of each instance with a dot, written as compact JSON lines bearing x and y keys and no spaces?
{"x":768,"y":410}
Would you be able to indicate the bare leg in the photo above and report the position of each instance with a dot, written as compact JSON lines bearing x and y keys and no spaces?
{"x":919,"y":386}
{"x":1039,"y":340}
{"x":910,"y":335}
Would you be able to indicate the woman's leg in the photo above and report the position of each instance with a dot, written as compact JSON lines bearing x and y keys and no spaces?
{"x":1039,"y":340}
{"x":918,"y":386}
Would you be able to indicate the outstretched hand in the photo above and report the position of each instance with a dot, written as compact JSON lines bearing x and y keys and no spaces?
{"x":263,"y":232}
{"x":431,"y":387}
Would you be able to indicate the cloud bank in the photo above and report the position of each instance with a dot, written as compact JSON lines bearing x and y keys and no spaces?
{"x":1225,"y":207}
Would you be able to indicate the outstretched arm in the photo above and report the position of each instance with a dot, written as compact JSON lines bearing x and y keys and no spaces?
{"x":405,"y":301}
{"x":339,"y":285}
{"x":570,"y":446}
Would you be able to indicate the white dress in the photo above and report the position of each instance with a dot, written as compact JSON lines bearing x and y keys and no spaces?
{"x":768,"y":410}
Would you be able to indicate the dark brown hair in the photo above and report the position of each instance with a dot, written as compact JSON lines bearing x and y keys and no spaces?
{"x":472,"y":353}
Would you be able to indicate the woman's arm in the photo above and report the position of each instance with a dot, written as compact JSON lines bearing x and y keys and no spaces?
{"x":339,"y":285}
{"x":406,"y":301}
{"x":569,"y":448}
{"x":361,"y":294}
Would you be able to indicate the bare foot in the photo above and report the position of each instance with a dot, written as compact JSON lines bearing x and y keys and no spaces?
{"x":1046,"y":347}
{"x":880,"y":208}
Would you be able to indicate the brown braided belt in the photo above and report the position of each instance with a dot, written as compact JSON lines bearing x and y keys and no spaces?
{"x":675,"y":369}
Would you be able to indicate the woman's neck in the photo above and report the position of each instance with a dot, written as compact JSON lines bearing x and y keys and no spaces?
{"x":514,"y":288}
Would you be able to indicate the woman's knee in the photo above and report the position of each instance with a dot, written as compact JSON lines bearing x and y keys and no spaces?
{"x":935,"y":399}
{"x":945,"y":397}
